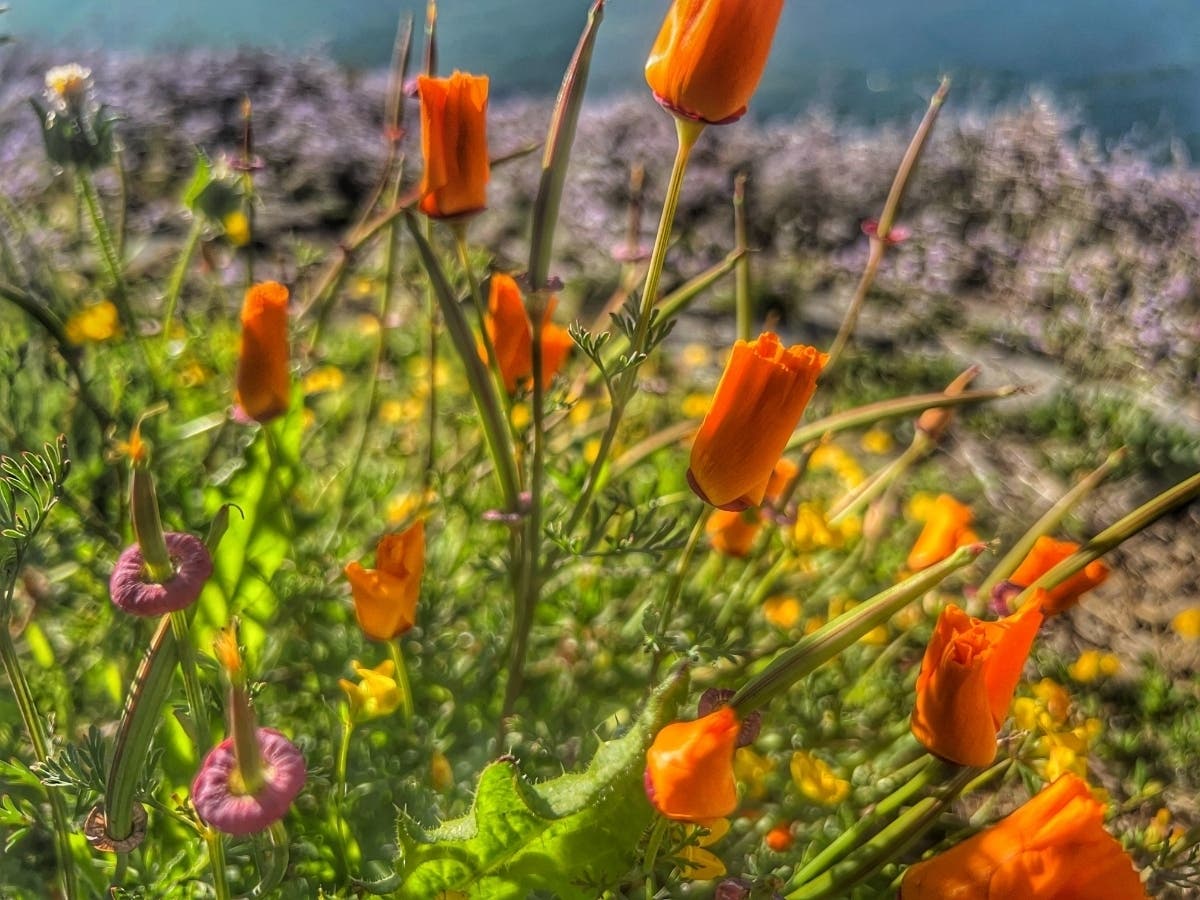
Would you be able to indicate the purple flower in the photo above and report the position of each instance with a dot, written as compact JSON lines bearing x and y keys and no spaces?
{"x":222,"y":805}
{"x":131,"y":591}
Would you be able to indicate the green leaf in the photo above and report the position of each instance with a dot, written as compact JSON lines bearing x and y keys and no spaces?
{"x":257,"y":542}
{"x":569,"y":836}
{"x":201,"y":176}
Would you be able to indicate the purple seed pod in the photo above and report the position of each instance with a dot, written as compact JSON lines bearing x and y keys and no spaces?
{"x":131,"y":591}
{"x":238,"y":814}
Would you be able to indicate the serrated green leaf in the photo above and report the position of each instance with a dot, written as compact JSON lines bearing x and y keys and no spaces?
{"x":201,"y":176}
{"x":567,"y":836}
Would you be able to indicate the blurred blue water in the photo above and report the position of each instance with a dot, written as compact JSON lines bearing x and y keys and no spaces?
{"x":1125,"y":65}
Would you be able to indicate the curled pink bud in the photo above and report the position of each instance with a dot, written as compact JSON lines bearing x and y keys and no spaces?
{"x":221,"y":805}
{"x":131,"y":590}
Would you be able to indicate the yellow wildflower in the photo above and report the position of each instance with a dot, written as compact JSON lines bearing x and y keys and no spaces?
{"x":919,"y":506}
{"x":368,"y":325}
{"x":580,"y":412}
{"x":1161,"y":830}
{"x":696,"y":355}
{"x":695,"y":406}
{"x":1187,"y":623}
{"x":751,"y":769}
{"x":696,"y":863}
{"x":591,"y":449}
{"x":838,"y":461}
{"x":237,"y":227}
{"x":521,"y":416}
{"x":1054,"y":698}
{"x":1093,"y":664}
{"x":782,"y":612}
{"x":812,"y":530}
{"x":376,"y":693}
{"x":93,"y":324}
{"x":391,"y":412}
{"x":877,"y":441}
{"x":817,"y":781}
{"x":323,"y":380}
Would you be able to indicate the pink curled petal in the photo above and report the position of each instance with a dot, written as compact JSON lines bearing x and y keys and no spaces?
{"x":131,"y":592}
{"x":239,"y":814}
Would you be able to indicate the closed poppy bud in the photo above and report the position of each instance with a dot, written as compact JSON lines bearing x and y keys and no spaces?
{"x":757,"y":405}
{"x":968,"y":677}
{"x":508,"y":328}
{"x":264,"y":378}
{"x":947,"y":528}
{"x":732,"y":533}
{"x":1054,"y":846}
{"x":689,"y":767}
{"x":454,"y":144}
{"x":1047,"y":553}
{"x":385,"y":598}
{"x":710,"y":55}
{"x":376,"y":694}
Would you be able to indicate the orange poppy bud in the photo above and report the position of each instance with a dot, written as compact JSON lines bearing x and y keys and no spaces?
{"x":968,"y":676}
{"x":1054,"y":846}
{"x":454,"y":144}
{"x":710,"y":55}
{"x":732,"y":533}
{"x":508,"y":327}
{"x":385,"y":598}
{"x":264,"y":378}
{"x":780,"y":838}
{"x":782,"y":475}
{"x":759,"y":400}
{"x":946,"y":529}
{"x":1047,"y":553}
{"x":689,"y":767}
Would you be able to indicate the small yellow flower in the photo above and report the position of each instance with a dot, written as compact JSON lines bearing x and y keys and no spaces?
{"x":323,"y":380}
{"x":1161,"y":830}
{"x":838,"y":461}
{"x":1054,"y":698}
{"x":812,"y":530}
{"x":521,"y":416}
{"x":225,"y":647}
{"x":782,"y":612}
{"x":877,"y":636}
{"x":376,"y":693}
{"x":877,"y":441}
{"x":695,"y":862}
{"x":1093,"y":664}
{"x":591,"y":449}
{"x":93,"y":324}
{"x":237,"y":227}
{"x":817,"y":781}
{"x":362,"y":286}
{"x":391,"y":412}
{"x":580,"y":412}
{"x":368,"y":325}
{"x":403,"y":507}
{"x":751,"y":769}
{"x":919,"y":506}
{"x":695,"y":406}
{"x":1187,"y":623}
{"x":67,"y":86}
{"x":696,"y":355}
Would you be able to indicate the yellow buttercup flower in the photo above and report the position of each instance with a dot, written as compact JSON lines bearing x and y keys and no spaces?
{"x":751,"y":769}
{"x":1187,"y":623}
{"x":817,"y":781}
{"x":94,"y":324}
{"x":833,"y":458}
{"x":695,"y":406}
{"x":376,"y":693}
{"x":812,"y":530}
{"x":877,"y":441}
{"x":1093,"y":664}
{"x":324,"y":380}
{"x":696,"y":863}
{"x":520,"y":416}
{"x":782,"y":612}
{"x":237,"y":227}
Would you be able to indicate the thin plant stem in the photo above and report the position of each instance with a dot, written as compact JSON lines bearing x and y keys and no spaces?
{"x":191,"y":684}
{"x":339,"y":789}
{"x":687,"y":132}
{"x":489,"y":348}
{"x":675,"y":590}
{"x":178,"y":274}
{"x":742,"y":299}
{"x":432,"y":305}
{"x":406,"y":698}
{"x":41,"y":749}
{"x":653,"y":844}
{"x":216,"y":861}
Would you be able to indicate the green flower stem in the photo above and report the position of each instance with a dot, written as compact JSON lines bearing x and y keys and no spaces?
{"x":272,"y":875}
{"x":861,"y":495}
{"x":216,"y":861}
{"x":653,"y":845}
{"x":927,"y":771}
{"x":1117,"y":533}
{"x":887,"y":845}
{"x":406,"y":698}
{"x":890,"y":409}
{"x":341,"y":826}
{"x":202,"y":731}
{"x":496,"y":429}
{"x":879,"y":240}
{"x":41,"y":749}
{"x":675,"y":589}
{"x":178,"y":275}
{"x":742,"y":298}
{"x":1048,"y":522}
{"x":489,"y":349}
{"x":108,"y":250}
{"x":815,"y":649}
{"x":687,"y":132}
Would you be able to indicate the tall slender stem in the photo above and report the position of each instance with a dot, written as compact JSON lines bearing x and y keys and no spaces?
{"x":402,"y":682}
{"x":178,"y":274}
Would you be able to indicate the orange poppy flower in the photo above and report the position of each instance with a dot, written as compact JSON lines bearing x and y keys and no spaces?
{"x":264,"y":378}
{"x":968,"y":676}
{"x":1047,"y":553}
{"x":689,"y":767}
{"x":732,"y":533}
{"x":508,"y":327}
{"x":946,"y":529}
{"x":454,"y":144}
{"x":385,"y":598}
{"x":710,"y":55}
{"x":758,"y":402}
{"x":1052,"y":848}
{"x":782,"y":475}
